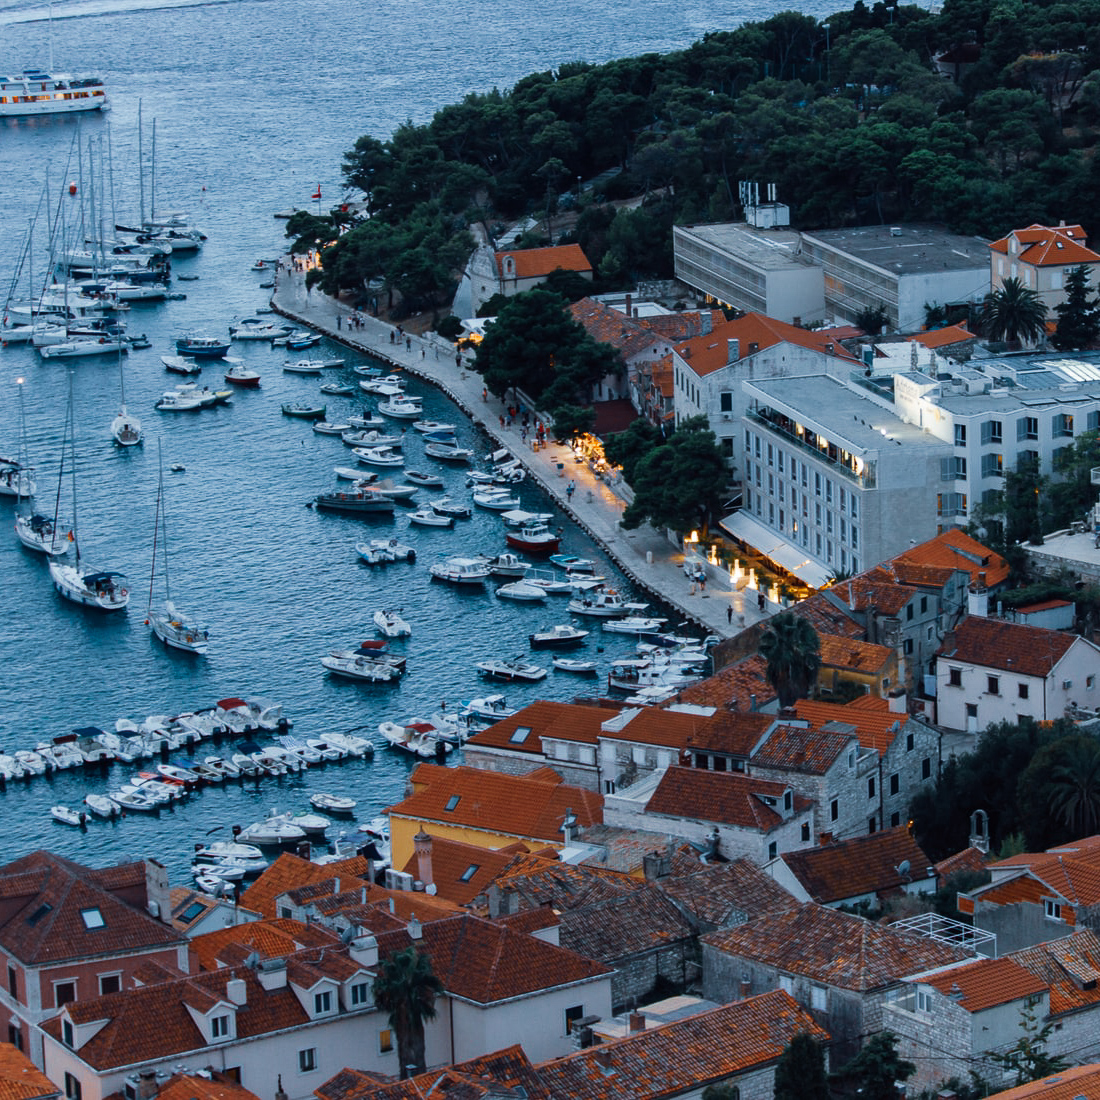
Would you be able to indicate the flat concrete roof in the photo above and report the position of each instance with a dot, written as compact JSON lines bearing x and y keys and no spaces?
{"x":916,"y":250}
{"x":840,"y":412}
{"x":769,"y":249}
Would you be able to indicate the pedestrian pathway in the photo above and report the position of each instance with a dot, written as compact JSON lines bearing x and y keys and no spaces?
{"x":644,"y":554}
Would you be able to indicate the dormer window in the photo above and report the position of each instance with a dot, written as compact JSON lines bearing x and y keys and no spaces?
{"x":1053,"y":909}
{"x":788,"y":801}
{"x":219,"y":1027}
{"x":322,"y":1003}
{"x":67,"y":1033}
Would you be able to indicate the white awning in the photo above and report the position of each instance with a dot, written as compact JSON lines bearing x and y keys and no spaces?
{"x":785,"y":554}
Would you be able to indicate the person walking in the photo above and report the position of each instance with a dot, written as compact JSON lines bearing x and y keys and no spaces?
{"x":729,"y":614}
{"x":570,"y":489}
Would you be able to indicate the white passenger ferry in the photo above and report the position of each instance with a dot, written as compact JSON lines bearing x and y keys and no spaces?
{"x":39,"y":93}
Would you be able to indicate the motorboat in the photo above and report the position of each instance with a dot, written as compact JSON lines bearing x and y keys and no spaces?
{"x":180,"y":364}
{"x":507,"y":564}
{"x":337,"y":389}
{"x":305,"y":752}
{"x":220,"y":764}
{"x":370,"y":437}
{"x":204,"y":873}
{"x":175,"y":401}
{"x":355,"y":745}
{"x":495,"y":499}
{"x":130,"y":798}
{"x":35,"y":92}
{"x":385,"y":386}
{"x":326,"y":750}
{"x":201,"y":346}
{"x":101,"y":805}
{"x":38,"y":532}
{"x":177,"y":774}
{"x":634,"y":624}
{"x":221,"y":851}
{"x":433,"y":426}
{"x":328,"y":427}
{"x":332,"y":362}
{"x":572,"y":564}
{"x":274,"y":830}
{"x":256,"y":328}
{"x":245,"y":377}
{"x":359,"y":502}
{"x":458,"y":570}
{"x":488,"y":708}
{"x":575,"y":664}
{"x":304,"y":410}
{"x":534,"y":538}
{"x":313,"y":825}
{"x":384,"y":551}
{"x":446,"y":506}
{"x":554,"y":584}
{"x":68,"y":816}
{"x":332,"y":803}
{"x":303,"y":366}
{"x":564,"y":634}
{"x":368,"y":421}
{"x":245,"y":765}
{"x":390,"y":623}
{"x":424,"y":516}
{"x":385,"y":457}
{"x":355,"y":666}
{"x":427,"y":481}
{"x":517,"y":669}
{"x":521,"y":591}
{"x":418,"y":738}
{"x":401,"y":407}
{"x":296,"y":341}
{"x":385,"y":487}
{"x":632,"y":673}
{"x":446,"y":452}
{"x":606,"y":603}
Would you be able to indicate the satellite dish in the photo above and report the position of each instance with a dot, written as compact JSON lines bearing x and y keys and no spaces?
{"x":903,"y":867}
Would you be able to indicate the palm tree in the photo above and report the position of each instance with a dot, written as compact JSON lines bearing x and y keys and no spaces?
{"x":1013,"y":313}
{"x":1075,"y":787}
{"x":791,"y":647}
{"x":406,"y":987}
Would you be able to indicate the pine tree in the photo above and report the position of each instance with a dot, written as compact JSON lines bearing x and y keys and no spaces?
{"x":800,"y":1074}
{"x":1079,"y":315}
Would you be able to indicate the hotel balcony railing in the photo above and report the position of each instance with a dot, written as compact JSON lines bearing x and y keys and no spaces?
{"x":865,"y":480}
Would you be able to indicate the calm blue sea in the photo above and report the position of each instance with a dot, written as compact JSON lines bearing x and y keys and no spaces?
{"x":255,"y":102}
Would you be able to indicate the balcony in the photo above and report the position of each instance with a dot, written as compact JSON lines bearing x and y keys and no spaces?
{"x":808,"y":443}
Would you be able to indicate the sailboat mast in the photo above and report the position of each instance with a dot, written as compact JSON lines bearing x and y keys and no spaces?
{"x":156,"y":533}
{"x":72,"y":466}
{"x":141,"y":171}
{"x":153,"y":178}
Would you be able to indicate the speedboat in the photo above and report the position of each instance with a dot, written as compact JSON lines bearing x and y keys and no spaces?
{"x":419,"y":738}
{"x":360,"y":502}
{"x":179,"y":364}
{"x":433,"y":426}
{"x":572,"y":564}
{"x":634,"y":624}
{"x":355,"y":745}
{"x":605,"y":604}
{"x":175,"y":401}
{"x":564,"y":634}
{"x":383,"y":551}
{"x":379,"y":456}
{"x":101,"y":805}
{"x":221,"y":850}
{"x":370,"y":437}
{"x":425,"y":516}
{"x":574,"y":664}
{"x":428,"y":481}
{"x":521,"y":591}
{"x":460,"y":570}
{"x":445,"y":506}
{"x":401,"y":407}
{"x":390,"y":623}
{"x":303,"y":366}
{"x":297,"y":341}
{"x":275,"y":829}
{"x":200,"y":346}
{"x":303,"y":410}
{"x":337,"y":389}
{"x":446,"y":452}
{"x":326,"y":750}
{"x":327,"y":427}
{"x":385,"y":487}
{"x":489,"y":708}
{"x":240,"y":375}
{"x":332,"y":803}
{"x":356,"y":666}
{"x":507,"y":564}
{"x":386,"y":386}
{"x":517,"y":669}
{"x":256,"y":328}
{"x":130,"y":798}
{"x":68,"y":816}
{"x":315,"y":825}
{"x":495,"y":499}
{"x":366,"y":422}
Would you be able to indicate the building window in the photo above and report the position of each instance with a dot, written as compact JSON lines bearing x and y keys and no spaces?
{"x":993,"y":465}
{"x":788,"y":800}
{"x":1023,"y":690}
{"x":360,"y":994}
{"x":109,"y":983}
{"x":993,"y":685}
{"x":1062,"y":425}
{"x":872,"y":824}
{"x":924,"y":1001}
{"x":15,"y":1036}
{"x":834,"y":810}
{"x":385,"y":1041}
{"x":1053,"y":909}
{"x":322,"y":1002}
{"x":955,"y":677}
{"x":519,"y":735}
{"x":13,"y":982}
{"x":871,"y":786}
{"x":819,"y":998}
{"x":92,"y":918}
{"x":895,"y":783}
{"x":926,"y":768}
{"x":572,"y":1015}
{"x":895,"y":819}
{"x":725,"y":401}
{"x":219,"y":1027}
{"x":1027,"y":427}
{"x":972,"y":710}
{"x":805,"y":831}
{"x":63,"y":993}
{"x":72,"y":1087}
{"x":991,"y":431}
{"x":773,"y":850}
{"x":453,"y":801}
{"x":307,"y":1060}
{"x":1090,"y":681}
{"x":908,"y":742}
{"x":786,"y":983}
{"x":67,"y":1032}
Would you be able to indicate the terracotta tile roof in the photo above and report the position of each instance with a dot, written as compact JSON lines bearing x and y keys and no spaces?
{"x":878,"y":589}
{"x":733,"y":686}
{"x":1069,"y":967}
{"x":862,"y":865}
{"x":273,"y":939}
{"x":853,"y":655}
{"x":1023,"y":887}
{"x":706,"y":354}
{"x":684,"y":1056}
{"x":627,"y":335}
{"x":620,"y":849}
{"x":486,"y":961}
{"x":944,"y":337}
{"x":969,"y":859}
{"x":1043,"y":605}
{"x":657,"y":726}
{"x":1045,"y":245}
{"x":618,"y":928}
{"x":1008,"y":647}
{"x":1077,"y":1083}
{"x":738,"y":733}
{"x":289,"y":872}
{"x":520,"y":806}
{"x":460,"y":871}
{"x":353,"y":1084}
{"x":20,"y":1079}
{"x":955,"y":549}
{"x":535,"y":881}
{"x":797,"y":749}
{"x":726,"y":798}
{"x":371,"y":905}
{"x":43,"y":897}
{"x":823,"y":614}
{"x":985,"y":983}
{"x":186,"y":1086}
{"x":565,"y":721}
{"x":835,"y":948}
{"x":533,"y":263}
{"x":188,"y":906}
{"x":722,"y":894}
{"x":151,"y":972}
{"x":531,"y":920}
{"x":870,"y":717}
{"x":683,"y":326}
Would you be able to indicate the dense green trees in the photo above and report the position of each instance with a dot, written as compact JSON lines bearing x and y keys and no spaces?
{"x":1078,"y":315}
{"x":874,"y":1072}
{"x":800,"y":1073}
{"x":792,"y":650}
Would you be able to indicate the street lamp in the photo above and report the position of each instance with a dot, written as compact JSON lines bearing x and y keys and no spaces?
{"x":825,"y":28}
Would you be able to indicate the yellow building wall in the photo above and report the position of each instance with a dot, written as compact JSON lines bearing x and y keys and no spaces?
{"x":403,"y":829}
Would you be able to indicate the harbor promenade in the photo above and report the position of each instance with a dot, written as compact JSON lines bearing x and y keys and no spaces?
{"x":645,"y":555}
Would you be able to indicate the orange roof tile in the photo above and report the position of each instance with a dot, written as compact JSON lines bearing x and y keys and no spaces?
{"x":1044,"y":245}
{"x":20,"y":1079}
{"x":627,"y":335}
{"x":658,"y":726}
{"x":969,"y":859}
{"x":563,"y":721}
{"x":460,"y":872}
{"x":876,"y":588}
{"x":738,"y":686}
{"x":1069,"y":966}
{"x":272,"y":939}
{"x":874,"y":723}
{"x":955,"y":549}
{"x":185,"y":1086}
{"x":862,"y":865}
{"x":944,"y":337}
{"x":853,"y":655}
{"x":722,"y":894}
{"x":289,"y":872}
{"x":1009,"y":647}
{"x":798,"y":749}
{"x":685,"y":1055}
{"x":533,"y":263}
{"x":985,"y":983}
{"x":737,"y":733}
{"x":528,"y":807}
{"x":1077,"y":1083}
{"x":727,"y":798}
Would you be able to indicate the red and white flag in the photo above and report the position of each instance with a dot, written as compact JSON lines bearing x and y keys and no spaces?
{"x":317,"y":193}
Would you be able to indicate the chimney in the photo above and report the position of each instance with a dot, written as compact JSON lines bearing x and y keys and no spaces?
{"x":948,"y":646}
{"x":156,"y":891}
{"x":415,"y":928}
{"x":629,"y":303}
{"x":745,"y":987}
{"x":147,"y":1084}
{"x":569,"y":826}
{"x":272,"y":974}
{"x":733,"y":348}
{"x":422,"y":845}
{"x":603,"y":1058}
{"x":977,"y":597}
{"x":280,"y":1092}
{"x":236,"y":989}
{"x":898,"y":701}
{"x":635,"y":1022}
{"x":363,"y":951}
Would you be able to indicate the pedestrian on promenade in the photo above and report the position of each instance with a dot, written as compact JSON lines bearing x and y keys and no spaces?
{"x":484,"y":393}
{"x":423,"y":352}
{"x":502,"y":420}
{"x":729,"y":614}
{"x":458,"y":359}
{"x":408,"y":343}
{"x":338,"y":322}
{"x":392,"y":337}
{"x":702,"y":583}
{"x":570,"y":489}
{"x":523,"y":435}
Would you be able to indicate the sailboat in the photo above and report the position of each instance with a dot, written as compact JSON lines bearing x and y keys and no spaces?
{"x":126,"y":428}
{"x":171,"y":625}
{"x":76,"y":580}
{"x":35,"y":531}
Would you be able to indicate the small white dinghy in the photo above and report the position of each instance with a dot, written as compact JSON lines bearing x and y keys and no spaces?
{"x":101,"y":805}
{"x":68,"y":816}
{"x":389,"y":622}
{"x":332,"y":803}
{"x":426,"y":516}
{"x":522,"y":592}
